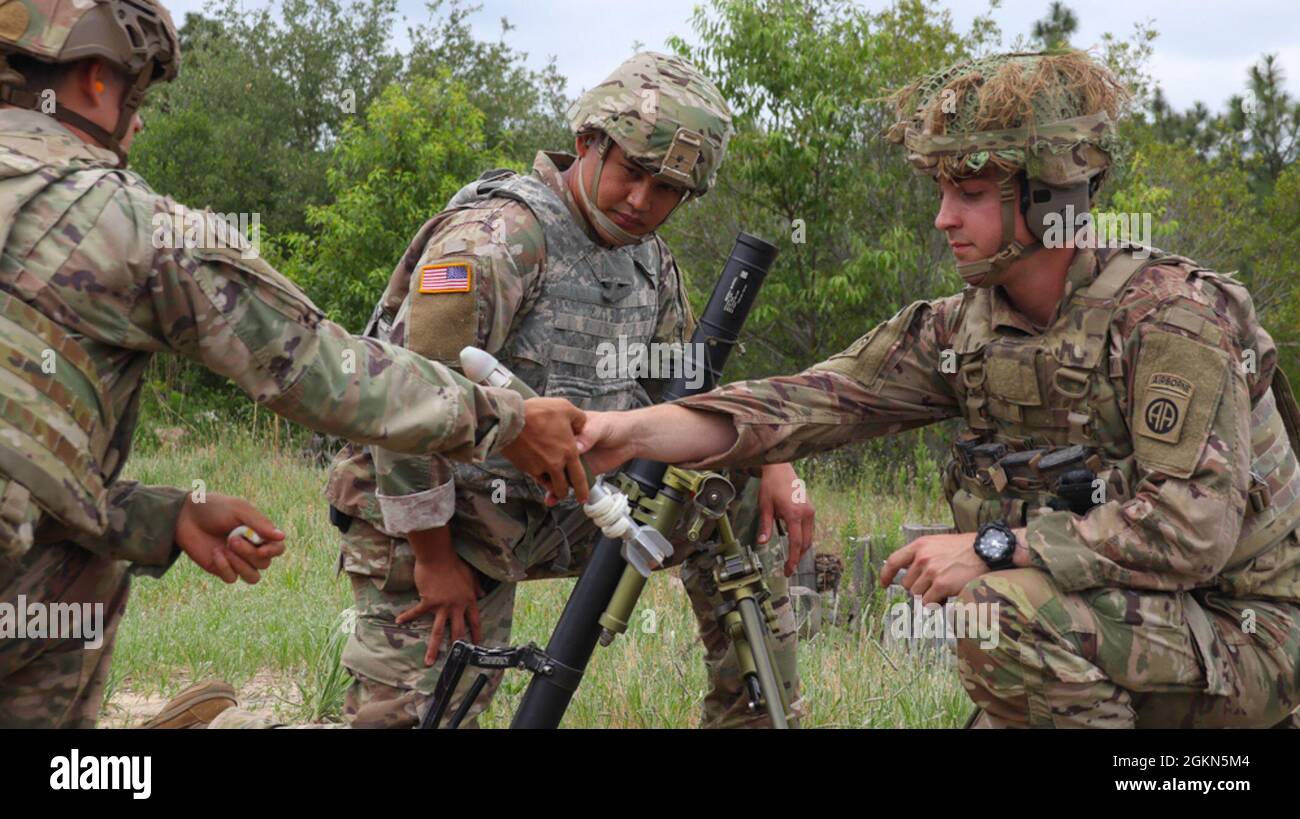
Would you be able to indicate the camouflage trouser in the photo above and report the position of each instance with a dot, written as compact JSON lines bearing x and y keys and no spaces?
{"x":58,"y":683}
{"x":1124,"y":658}
{"x":392,"y":688}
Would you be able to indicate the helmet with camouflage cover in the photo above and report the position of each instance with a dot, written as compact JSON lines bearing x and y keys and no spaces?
{"x":665,"y":115}
{"x":137,"y":37}
{"x":1048,"y":117}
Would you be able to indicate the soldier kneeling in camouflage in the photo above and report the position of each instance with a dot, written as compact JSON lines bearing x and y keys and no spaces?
{"x":1166,"y":593}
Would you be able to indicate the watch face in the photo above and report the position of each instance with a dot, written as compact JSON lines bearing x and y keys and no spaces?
{"x":994,"y":544}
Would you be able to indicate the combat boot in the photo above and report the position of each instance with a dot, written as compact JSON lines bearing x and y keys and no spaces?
{"x":196,"y":706}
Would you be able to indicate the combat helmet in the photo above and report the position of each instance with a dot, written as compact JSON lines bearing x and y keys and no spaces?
{"x":666,"y":116}
{"x":1048,"y":117}
{"x":135,"y":36}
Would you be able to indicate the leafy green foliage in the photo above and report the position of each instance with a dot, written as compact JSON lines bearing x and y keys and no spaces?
{"x":523,"y":109}
{"x":809,"y":170}
{"x":249,"y":123}
{"x":267,"y":115}
{"x":1275,"y":249}
{"x":1054,"y":30}
{"x":420,"y":142}
{"x":307,"y":114}
{"x":1224,"y":189}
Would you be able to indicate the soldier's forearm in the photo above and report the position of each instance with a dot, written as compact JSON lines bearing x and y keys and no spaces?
{"x":432,"y":546}
{"x":374,"y":393}
{"x":142,"y":524}
{"x":674,"y":434}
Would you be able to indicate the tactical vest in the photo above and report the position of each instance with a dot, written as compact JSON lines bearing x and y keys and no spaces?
{"x":1043,"y":409}
{"x":56,"y":422}
{"x":592,"y":300}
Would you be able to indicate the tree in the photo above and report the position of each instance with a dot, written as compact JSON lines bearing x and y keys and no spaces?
{"x":1213,"y":206}
{"x":1054,"y":30}
{"x":419,"y":143}
{"x":809,"y":170}
{"x":1196,"y":126}
{"x":252,"y":125}
{"x":248,"y":125}
{"x":263,"y":97}
{"x":523,"y":109}
{"x":1196,"y":210}
{"x":1274,"y":250}
{"x":1272,"y":120}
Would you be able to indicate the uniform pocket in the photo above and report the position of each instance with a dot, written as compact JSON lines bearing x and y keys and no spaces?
{"x":1144,"y":642}
{"x":368,"y":552}
{"x":1252,"y":622}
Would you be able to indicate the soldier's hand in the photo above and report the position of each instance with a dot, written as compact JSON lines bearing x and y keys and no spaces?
{"x":206,"y":533}
{"x":938,"y":566}
{"x":547,"y":449}
{"x":606,"y":440}
{"x":782,"y":497}
{"x":449,"y":590}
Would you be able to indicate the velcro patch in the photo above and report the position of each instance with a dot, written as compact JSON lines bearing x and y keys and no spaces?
{"x":1164,"y":407}
{"x":446,"y":277}
{"x":440,"y":328}
{"x":1178,"y":385}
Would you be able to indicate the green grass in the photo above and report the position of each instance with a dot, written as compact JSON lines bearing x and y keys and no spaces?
{"x":283,"y":638}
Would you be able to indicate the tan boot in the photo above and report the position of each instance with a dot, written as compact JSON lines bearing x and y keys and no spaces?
{"x":196,"y":706}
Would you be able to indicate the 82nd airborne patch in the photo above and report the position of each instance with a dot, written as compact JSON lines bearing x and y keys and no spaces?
{"x":1164,"y":407}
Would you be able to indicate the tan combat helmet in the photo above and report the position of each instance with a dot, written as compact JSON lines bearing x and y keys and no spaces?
{"x":666,"y":116}
{"x":136,"y":36}
{"x":1049,"y":116}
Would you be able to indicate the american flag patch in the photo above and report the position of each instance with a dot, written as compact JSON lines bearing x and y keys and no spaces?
{"x":452,"y":277}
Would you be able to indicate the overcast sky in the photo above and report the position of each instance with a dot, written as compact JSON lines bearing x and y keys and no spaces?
{"x":1203,"y":52}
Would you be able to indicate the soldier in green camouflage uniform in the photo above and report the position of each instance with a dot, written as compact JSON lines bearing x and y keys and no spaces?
{"x":542,"y":278}
{"x":88,"y":294}
{"x":1172,"y":601}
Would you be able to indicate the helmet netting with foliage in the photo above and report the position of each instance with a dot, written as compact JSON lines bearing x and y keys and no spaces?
{"x":1004,"y":92}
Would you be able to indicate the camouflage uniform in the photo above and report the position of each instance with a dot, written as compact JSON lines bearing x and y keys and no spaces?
{"x":542,"y":295}
{"x":88,"y":294}
{"x":514,"y":264}
{"x":1174,"y":601}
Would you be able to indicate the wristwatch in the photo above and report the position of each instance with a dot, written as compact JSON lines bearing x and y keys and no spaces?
{"x":996,"y":544}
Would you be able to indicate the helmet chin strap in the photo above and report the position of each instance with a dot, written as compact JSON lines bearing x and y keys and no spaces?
{"x":588,"y":196}
{"x":992,"y":271}
{"x":21,"y":98}
{"x":595,"y":214}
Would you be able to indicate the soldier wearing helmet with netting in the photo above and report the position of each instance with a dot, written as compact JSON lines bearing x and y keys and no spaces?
{"x":88,"y":294}
{"x":542,"y":270}
{"x":1125,"y":491}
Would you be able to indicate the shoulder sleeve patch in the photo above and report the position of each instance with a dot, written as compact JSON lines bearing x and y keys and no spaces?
{"x":443,"y":319}
{"x":864,"y":359}
{"x":1179,"y":383}
{"x":453,"y":276}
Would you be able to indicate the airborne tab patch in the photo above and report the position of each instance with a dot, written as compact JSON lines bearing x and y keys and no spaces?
{"x":453,"y":277}
{"x":1164,"y":407}
{"x":1179,"y":385}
